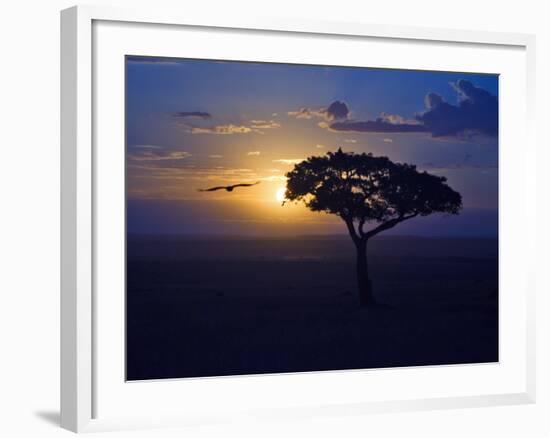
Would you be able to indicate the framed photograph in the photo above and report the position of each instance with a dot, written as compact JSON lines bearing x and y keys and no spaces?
{"x":275,"y":219}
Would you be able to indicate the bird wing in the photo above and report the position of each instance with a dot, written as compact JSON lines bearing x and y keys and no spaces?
{"x":212,"y":189}
{"x":246,"y":184}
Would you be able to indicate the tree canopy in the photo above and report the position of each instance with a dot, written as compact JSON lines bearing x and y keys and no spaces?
{"x":362,"y":189}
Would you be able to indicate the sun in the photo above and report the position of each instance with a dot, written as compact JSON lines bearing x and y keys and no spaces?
{"x":280,"y":194}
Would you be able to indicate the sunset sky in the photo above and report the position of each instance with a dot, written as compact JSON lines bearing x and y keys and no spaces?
{"x":195,"y":124}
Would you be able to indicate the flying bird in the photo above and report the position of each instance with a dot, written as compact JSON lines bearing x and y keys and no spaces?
{"x":228,"y":188}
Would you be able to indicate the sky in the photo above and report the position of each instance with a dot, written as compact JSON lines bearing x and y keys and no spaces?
{"x":196,"y":124}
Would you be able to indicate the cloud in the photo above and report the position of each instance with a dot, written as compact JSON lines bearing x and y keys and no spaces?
{"x":161,"y":172}
{"x":253,"y":153}
{"x":432,"y":100}
{"x":254,"y":126}
{"x":380,"y":125}
{"x":147,"y":146}
{"x":339,"y":112}
{"x":302,"y":113}
{"x":289,"y":160}
{"x":191,"y":114}
{"x":335,"y":111}
{"x":396,"y":119}
{"x":350,"y":140}
{"x":221,"y":129}
{"x":387,"y":140}
{"x":215,"y":156}
{"x":319,"y":146}
{"x":476,"y":112}
{"x":156,"y":153}
{"x":264,"y":124}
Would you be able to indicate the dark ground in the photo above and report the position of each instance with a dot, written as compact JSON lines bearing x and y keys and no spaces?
{"x":227,"y":306}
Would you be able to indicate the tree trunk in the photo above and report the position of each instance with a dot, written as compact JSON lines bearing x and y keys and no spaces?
{"x":364,"y":284}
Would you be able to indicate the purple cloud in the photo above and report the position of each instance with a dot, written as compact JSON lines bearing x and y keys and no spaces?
{"x":336,"y":111}
{"x":476,"y":113}
{"x":190,"y":114}
{"x":381,"y":124}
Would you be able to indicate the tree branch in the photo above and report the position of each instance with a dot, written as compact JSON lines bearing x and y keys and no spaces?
{"x":361,"y":225}
{"x":387,"y":225}
{"x":351,"y":229}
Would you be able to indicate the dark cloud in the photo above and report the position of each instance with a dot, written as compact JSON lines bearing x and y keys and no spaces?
{"x":336,"y":111}
{"x":381,"y":125}
{"x":475,"y":113}
{"x":432,"y":100}
{"x":198,"y":114}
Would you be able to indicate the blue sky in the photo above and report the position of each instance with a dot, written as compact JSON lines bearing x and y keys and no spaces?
{"x":192,"y":124}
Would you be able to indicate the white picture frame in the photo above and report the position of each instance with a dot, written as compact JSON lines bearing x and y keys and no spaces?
{"x":80,"y":169}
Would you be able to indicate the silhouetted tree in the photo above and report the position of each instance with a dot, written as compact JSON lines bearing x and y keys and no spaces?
{"x":362,"y":189}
